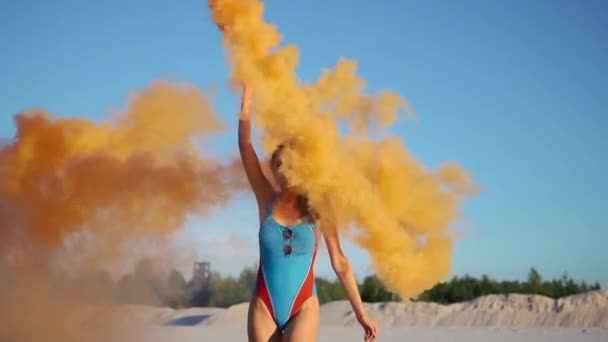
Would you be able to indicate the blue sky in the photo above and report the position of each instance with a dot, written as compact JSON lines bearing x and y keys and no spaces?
{"x":515,"y":91}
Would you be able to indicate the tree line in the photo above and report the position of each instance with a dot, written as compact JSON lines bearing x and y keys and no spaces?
{"x":460,"y":289}
{"x":223,"y":291}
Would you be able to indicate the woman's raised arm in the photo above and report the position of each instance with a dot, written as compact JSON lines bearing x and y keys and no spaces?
{"x":259,"y":183}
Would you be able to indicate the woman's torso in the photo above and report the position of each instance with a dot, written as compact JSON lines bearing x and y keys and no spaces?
{"x":287,"y":258}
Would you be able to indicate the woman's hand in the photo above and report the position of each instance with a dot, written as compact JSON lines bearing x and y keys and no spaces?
{"x":370,"y":328}
{"x":245,"y":113}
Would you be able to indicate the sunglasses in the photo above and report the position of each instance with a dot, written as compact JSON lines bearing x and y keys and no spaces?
{"x":276,"y":161}
{"x":287,"y":248}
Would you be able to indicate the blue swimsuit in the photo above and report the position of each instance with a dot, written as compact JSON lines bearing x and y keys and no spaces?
{"x":286,"y":273}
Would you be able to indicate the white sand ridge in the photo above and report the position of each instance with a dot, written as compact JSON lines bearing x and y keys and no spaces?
{"x":587,"y":310}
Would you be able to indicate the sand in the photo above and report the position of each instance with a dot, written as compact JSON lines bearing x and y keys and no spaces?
{"x":343,"y":334}
{"x":512,"y":317}
{"x":517,"y":311}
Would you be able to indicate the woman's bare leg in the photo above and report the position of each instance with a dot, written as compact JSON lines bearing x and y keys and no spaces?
{"x":260,"y":325}
{"x":304,"y":326}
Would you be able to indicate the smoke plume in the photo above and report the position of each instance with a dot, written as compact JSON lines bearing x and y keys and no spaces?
{"x":360,"y":176}
{"x":77,"y":197}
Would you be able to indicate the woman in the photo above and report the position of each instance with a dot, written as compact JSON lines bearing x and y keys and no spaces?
{"x":284,"y":305}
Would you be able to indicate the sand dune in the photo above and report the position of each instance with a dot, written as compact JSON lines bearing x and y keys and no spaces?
{"x":515,"y":317}
{"x":589,"y":310}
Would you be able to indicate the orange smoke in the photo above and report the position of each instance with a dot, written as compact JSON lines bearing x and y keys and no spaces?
{"x":76,"y":196}
{"x":141,"y":173}
{"x":402,"y":211}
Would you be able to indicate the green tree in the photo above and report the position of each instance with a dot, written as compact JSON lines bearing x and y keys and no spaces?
{"x":373,"y":290}
{"x":328,"y":291}
{"x":487,"y":286}
{"x":248,"y":277}
{"x":229,"y":291}
{"x":466,"y":288}
{"x":535,"y":281}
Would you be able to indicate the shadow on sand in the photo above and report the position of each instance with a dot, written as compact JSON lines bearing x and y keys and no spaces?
{"x":188,"y":320}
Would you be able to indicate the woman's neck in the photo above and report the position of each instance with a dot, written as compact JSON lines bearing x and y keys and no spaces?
{"x":289,"y":194}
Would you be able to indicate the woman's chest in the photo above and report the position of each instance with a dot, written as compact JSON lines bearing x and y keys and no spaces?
{"x":297,"y":240}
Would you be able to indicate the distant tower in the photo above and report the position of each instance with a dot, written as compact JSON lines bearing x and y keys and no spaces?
{"x":200,"y":285}
{"x":202,"y":273}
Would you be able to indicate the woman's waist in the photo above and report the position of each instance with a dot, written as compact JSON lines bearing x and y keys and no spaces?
{"x":287,"y":264}
{"x":287,"y":252}
{"x":280,"y":276}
